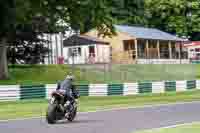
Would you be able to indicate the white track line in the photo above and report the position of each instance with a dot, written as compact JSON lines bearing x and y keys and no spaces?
{"x":112,"y":109}
{"x":172,"y":126}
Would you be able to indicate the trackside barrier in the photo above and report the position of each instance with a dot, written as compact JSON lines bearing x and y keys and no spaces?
{"x":145,"y":87}
{"x":19,"y":92}
{"x":32,"y":91}
{"x":131,"y":89}
{"x":115,"y":89}
{"x":9,"y":92}
{"x":170,"y":86}
{"x":49,"y":89}
{"x":98,"y":89}
{"x":83,"y":89}
{"x":158,"y":87}
{"x":181,"y":86}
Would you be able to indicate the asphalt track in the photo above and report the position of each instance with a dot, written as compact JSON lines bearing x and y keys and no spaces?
{"x":115,"y":121}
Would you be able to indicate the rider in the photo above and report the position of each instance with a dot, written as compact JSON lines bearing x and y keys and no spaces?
{"x":68,"y":87}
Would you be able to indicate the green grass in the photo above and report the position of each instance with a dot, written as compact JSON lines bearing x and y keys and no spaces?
{"x":147,"y":72}
{"x":159,"y":72}
{"x":43,"y":74}
{"x":32,"y":108}
{"x":189,"y":128}
{"x":37,"y":74}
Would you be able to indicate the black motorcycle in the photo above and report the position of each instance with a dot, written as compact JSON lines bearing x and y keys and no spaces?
{"x":58,"y":108}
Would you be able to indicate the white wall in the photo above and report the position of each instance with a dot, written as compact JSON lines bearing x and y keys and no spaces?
{"x":193,"y":53}
{"x":55,"y":46}
{"x":102,"y":54}
{"x":56,"y":42}
{"x":77,"y":59}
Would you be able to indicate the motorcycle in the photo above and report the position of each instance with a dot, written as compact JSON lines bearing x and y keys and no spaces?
{"x":58,"y":108}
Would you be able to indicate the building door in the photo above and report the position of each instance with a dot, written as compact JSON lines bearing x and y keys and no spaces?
{"x":92,"y":54}
{"x":92,"y":51}
{"x":129,"y":48}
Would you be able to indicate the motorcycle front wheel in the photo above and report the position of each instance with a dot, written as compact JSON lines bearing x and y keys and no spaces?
{"x":72,"y":115}
{"x":51,"y":114}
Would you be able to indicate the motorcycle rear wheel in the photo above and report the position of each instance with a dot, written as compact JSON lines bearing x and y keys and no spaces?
{"x":51,"y":114}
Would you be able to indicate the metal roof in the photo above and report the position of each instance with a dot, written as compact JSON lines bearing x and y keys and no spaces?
{"x":78,"y":40}
{"x":147,"y":33}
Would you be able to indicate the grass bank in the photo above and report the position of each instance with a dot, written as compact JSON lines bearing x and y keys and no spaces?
{"x":188,"y":128}
{"x":33,"y":108}
{"x":43,"y":74}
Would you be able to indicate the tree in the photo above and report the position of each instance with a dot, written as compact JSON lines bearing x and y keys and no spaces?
{"x":33,"y":53}
{"x":92,"y":14}
{"x":28,"y":45}
{"x":6,"y":23}
{"x":181,"y":17}
{"x":15,"y":13}
{"x":128,"y":12}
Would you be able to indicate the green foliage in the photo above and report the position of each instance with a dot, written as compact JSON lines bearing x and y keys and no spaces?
{"x":180,"y":17}
{"x":73,"y":12}
{"x":7,"y":16}
{"x":41,"y":16}
{"x":91,"y":14}
{"x":128,"y":12}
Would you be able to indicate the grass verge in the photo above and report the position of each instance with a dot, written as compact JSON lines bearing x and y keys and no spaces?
{"x":48,"y":74}
{"x":36,"y":108}
{"x":188,"y":128}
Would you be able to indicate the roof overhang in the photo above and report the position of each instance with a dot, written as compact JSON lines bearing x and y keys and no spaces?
{"x":79,"y":40}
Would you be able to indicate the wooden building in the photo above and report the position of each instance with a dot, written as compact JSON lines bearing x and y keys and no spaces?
{"x":143,"y":45}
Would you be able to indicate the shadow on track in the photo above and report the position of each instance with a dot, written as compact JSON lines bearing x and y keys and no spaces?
{"x":77,"y":122}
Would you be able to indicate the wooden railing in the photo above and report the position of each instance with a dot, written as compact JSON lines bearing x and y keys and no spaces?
{"x":124,"y":56}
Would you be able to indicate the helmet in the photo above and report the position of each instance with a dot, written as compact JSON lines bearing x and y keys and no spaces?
{"x":70,"y":77}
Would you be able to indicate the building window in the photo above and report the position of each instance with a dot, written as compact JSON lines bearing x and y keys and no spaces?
{"x":141,"y":49}
{"x":197,"y":49}
{"x":74,"y":51}
{"x":129,"y":45}
{"x":152,"y":43}
{"x":79,"y":51}
{"x":164,"y":50}
{"x":126,"y":47}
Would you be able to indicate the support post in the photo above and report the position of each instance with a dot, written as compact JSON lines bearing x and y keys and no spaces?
{"x":48,"y":38}
{"x":147,"y":48}
{"x":96,"y":58}
{"x":61,"y":43}
{"x":136,"y":49}
{"x":51,"y":47}
{"x":180,"y":53}
{"x":158,"y":48}
{"x":170,"y":49}
{"x":56,"y":42}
